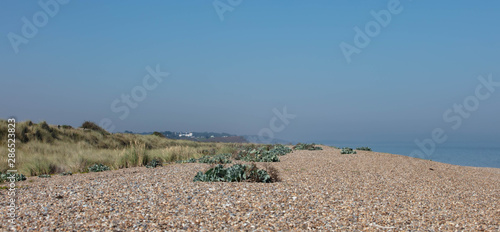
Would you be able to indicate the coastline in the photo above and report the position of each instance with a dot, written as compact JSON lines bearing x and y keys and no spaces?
{"x":471,"y":155}
{"x":320,"y":190}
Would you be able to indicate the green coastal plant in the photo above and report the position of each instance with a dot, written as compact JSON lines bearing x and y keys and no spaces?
{"x":347,"y":150}
{"x":191,"y":160}
{"x":44,"y":176}
{"x":154,"y":163}
{"x":216,"y":159}
{"x":264,"y":156}
{"x":17,"y":177}
{"x":306,"y":146}
{"x":364,"y":149}
{"x":280,"y":150}
{"x":210,"y":159}
{"x":235,"y":173}
{"x":266,"y":153}
{"x":98,"y":168}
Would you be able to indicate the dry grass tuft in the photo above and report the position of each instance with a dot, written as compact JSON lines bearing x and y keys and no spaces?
{"x":273,"y":172}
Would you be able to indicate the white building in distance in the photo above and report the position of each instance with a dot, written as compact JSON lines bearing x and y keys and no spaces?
{"x":186,"y":135}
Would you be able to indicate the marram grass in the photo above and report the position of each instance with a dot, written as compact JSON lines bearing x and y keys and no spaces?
{"x":48,"y":149}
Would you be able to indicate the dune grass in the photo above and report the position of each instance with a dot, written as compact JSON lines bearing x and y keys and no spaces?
{"x":48,"y":149}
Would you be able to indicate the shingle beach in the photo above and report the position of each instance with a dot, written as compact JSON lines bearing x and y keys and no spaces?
{"x":319,"y":190}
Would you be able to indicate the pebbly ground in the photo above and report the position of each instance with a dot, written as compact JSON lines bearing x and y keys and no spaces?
{"x":320,"y":190}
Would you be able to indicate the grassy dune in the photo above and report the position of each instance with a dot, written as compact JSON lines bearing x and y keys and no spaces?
{"x":49,"y":149}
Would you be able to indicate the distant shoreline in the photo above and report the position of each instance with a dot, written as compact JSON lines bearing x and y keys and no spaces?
{"x":470,"y":155}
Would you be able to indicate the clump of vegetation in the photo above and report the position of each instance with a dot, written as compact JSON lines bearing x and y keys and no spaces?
{"x":41,"y":132}
{"x":92,"y":126}
{"x":235,"y":173}
{"x":364,"y":149}
{"x":66,"y":174}
{"x":67,"y":127}
{"x":156,"y":133}
{"x":154,"y":163}
{"x":208,"y":152}
{"x":191,"y":160}
{"x":260,"y":156}
{"x":217,"y":159}
{"x":273,"y":173}
{"x":6,"y":176}
{"x":45,"y":176}
{"x":98,"y":168}
{"x":267,"y":153}
{"x":135,"y":156}
{"x":280,"y":150}
{"x":306,"y":146}
{"x":45,"y":126}
{"x":347,"y":150}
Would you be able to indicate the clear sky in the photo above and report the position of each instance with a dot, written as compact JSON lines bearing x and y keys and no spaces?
{"x":228,"y":75}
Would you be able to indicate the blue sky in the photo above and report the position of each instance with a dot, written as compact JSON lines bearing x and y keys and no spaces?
{"x":228,"y":76}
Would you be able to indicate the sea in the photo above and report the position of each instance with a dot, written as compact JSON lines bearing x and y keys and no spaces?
{"x":464,"y":154}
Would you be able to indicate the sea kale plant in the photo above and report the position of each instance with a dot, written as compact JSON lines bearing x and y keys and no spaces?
{"x":17,"y":177}
{"x":260,"y":155}
{"x":98,"y":168}
{"x":281,"y":150}
{"x":347,"y":150}
{"x":216,"y":159}
{"x":266,"y":153}
{"x":251,"y":153}
{"x":306,"y":146}
{"x":154,"y":163}
{"x":209,"y":159}
{"x":235,"y":173}
{"x":364,"y":149}
{"x":191,"y":160}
